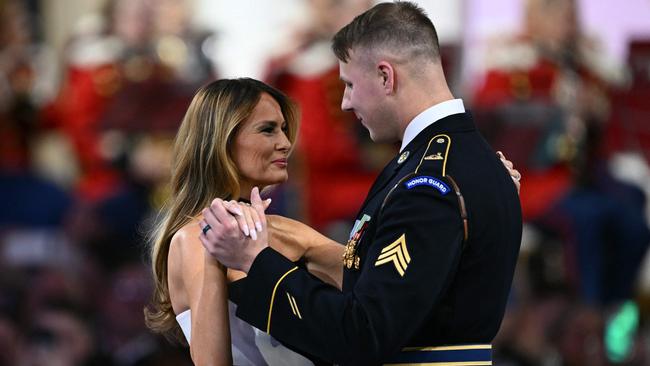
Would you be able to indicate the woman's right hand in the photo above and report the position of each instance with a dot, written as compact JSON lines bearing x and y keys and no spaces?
{"x":222,"y":237}
{"x":247,"y":217}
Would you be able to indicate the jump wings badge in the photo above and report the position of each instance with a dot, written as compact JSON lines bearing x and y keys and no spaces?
{"x":350,"y":257}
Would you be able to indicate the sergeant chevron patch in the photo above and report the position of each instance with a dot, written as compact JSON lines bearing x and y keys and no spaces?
{"x":397,"y":253}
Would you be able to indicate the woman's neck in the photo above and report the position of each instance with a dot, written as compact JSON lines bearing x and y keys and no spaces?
{"x":244,"y":192}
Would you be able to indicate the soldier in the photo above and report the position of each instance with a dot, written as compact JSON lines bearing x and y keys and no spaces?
{"x":429,"y":263}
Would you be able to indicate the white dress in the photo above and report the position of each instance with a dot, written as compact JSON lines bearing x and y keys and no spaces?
{"x":250,"y":346}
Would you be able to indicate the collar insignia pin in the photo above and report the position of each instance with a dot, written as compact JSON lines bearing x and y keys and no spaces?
{"x":436,"y":156}
{"x":403,"y":157}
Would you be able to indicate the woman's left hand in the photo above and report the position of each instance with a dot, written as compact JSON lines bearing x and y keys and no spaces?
{"x":514,"y":173}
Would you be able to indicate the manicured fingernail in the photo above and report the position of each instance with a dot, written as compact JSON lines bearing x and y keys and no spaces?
{"x":268,"y":201}
{"x":253,"y":235}
{"x":258,"y":226}
{"x":246,"y":231}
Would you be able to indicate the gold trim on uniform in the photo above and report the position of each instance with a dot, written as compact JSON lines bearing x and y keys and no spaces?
{"x":268,"y":322}
{"x":460,"y":363}
{"x":397,"y":253}
{"x":437,"y":155}
{"x":294,"y":306}
{"x":449,"y":348}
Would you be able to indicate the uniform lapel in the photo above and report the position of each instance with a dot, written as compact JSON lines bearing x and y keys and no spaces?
{"x":384,"y":177}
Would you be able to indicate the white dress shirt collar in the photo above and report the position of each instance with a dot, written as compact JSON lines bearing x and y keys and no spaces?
{"x":430,"y":116}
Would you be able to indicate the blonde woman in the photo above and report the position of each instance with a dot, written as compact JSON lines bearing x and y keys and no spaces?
{"x":235,"y":134}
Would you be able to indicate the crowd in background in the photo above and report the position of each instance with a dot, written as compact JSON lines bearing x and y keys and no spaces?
{"x":85,"y":157}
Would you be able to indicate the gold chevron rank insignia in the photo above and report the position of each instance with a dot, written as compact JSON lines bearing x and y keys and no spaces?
{"x":397,"y":254}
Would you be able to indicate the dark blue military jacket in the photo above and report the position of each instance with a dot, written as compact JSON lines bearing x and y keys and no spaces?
{"x":430,"y":260}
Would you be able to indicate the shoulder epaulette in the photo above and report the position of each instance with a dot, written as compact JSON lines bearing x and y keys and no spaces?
{"x":436,"y":153}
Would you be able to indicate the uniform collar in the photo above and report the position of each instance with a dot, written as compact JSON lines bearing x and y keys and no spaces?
{"x":430,"y":116}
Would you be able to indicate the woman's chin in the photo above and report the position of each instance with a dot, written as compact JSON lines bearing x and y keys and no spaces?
{"x":277,"y":180}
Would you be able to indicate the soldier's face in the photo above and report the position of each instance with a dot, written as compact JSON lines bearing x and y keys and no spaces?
{"x":261,"y":146}
{"x":365,"y":95}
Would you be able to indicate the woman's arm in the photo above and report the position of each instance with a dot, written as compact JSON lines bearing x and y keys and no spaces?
{"x":296,"y":240}
{"x":204,"y":281}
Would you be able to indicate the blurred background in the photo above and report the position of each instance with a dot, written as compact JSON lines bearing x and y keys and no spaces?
{"x":92,"y":92}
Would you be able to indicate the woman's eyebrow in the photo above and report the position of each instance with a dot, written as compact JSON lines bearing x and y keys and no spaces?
{"x":270,"y":123}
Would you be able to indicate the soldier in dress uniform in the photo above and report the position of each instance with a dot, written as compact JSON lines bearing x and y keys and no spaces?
{"x":429,"y":263}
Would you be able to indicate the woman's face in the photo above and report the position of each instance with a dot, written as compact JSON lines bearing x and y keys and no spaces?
{"x":261,"y":147}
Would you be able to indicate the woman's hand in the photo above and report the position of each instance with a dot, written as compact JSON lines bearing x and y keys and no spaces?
{"x":222,"y":237}
{"x":514,"y":173}
{"x":247,"y":217}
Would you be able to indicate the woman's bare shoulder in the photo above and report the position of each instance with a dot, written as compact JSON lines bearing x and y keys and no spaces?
{"x":185,"y":258}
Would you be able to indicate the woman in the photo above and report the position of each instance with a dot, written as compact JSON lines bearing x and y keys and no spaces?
{"x":236,"y":135}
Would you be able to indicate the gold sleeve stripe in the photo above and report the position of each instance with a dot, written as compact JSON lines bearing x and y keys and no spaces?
{"x":268,"y":323}
{"x":296,"y":306}
{"x":444,"y":163}
{"x":449,"y":348}
{"x":291,"y":304}
{"x":462,"y":363}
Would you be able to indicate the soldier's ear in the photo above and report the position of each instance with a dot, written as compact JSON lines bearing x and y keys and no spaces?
{"x":387,"y":74}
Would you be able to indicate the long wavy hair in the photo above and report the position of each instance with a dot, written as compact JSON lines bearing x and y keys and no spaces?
{"x":203,"y":169}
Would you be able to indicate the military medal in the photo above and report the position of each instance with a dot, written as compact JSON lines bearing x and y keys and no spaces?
{"x":350,"y":257}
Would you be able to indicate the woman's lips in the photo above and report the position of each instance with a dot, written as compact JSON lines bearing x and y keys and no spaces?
{"x":280,"y":162}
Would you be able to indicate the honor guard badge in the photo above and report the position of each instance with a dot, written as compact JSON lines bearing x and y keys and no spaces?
{"x":397,"y":254}
{"x":403,"y":157}
{"x":425,"y":180}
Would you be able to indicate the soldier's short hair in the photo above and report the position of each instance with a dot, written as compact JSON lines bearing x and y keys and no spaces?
{"x":402,"y":27}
